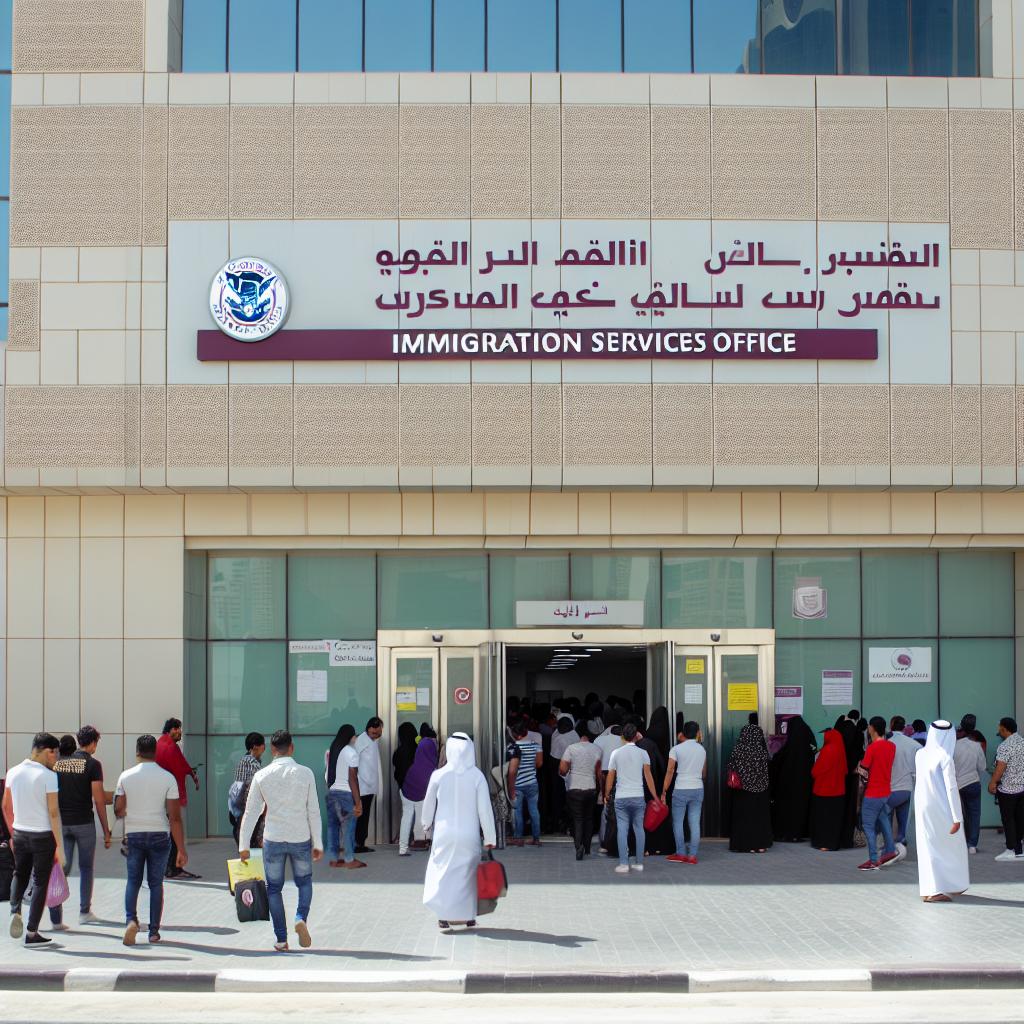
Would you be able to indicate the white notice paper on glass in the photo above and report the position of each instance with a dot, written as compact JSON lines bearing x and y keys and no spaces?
{"x":423,"y":696}
{"x":311,"y":685}
{"x":693,"y":693}
{"x":836,"y":687}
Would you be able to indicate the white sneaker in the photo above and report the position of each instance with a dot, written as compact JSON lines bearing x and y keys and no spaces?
{"x":87,"y":918}
{"x":636,"y":867}
{"x":60,"y":927}
{"x":901,"y":851}
{"x":972,"y":849}
{"x":620,"y":869}
{"x":1006,"y":855}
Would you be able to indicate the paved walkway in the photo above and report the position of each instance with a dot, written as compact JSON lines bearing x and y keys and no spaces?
{"x":792,"y":908}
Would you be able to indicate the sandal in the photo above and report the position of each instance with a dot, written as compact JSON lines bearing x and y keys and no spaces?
{"x":443,"y":925}
{"x":937,"y":898}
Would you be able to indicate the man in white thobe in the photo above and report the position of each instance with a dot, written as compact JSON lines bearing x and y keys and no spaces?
{"x":457,"y":807}
{"x":941,"y":850}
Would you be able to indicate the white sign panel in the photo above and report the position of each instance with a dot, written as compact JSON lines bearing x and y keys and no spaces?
{"x":353,"y":652}
{"x":579,"y":613}
{"x":836,"y":687}
{"x":789,"y":700}
{"x":899,"y":665}
{"x":311,"y":686}
{"x":308,"y":646}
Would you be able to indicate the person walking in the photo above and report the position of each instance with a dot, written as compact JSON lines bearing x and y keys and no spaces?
{"x":524,"y":758}
{"x":828,"y":793}
{"x":628,"y":770}
{"x":456,"y":810}
{"x":414,"y":789}
{"x":688,"y":764}
{"x":171,"y":759}
{"x":791,"y":782}
{"x":942,"y":865}
{"x":344,"y":804}
{"x":292,"y":833}
{"x":369,"y":778}
{"x":147,"y":799}
{"x":82,"y":801}
{"x":248,"y":766}
{"x":750,"y":828}
{"x":32,"y":812}
{"x":877,"y":765}
{"x":969,"y":762}
{"x":1007,"y":785}
{"x":902,"y":781}
{"x":580,"y":766}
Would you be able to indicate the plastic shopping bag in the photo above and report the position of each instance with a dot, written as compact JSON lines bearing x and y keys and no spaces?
{"x":57,"y":891}
{"x":252,"y":869}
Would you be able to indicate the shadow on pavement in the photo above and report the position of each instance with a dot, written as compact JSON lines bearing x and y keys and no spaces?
{"x":355,"y":954}
{"x":987,"y":901}
{"x":80,"y":954}
{"x":518,"y":935}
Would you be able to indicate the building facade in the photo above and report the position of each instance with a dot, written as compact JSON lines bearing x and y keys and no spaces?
{"x":745,"y":397}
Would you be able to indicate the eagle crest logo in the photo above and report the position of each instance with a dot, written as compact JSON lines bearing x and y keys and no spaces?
{"x":248,"y":299}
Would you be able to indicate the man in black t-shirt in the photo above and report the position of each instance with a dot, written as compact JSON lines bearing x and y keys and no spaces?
{"x":82,"y":800}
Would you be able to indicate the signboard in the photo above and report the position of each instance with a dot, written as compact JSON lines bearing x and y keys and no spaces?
{"x":789,"y":700}
{"x":579,"y":613}
{"x":836,"y":687}
{"x":693,"y":693}
{"x":308,"y":646}
{"x":810,"y":599}
{"x":742,"y":696}
{"x":405,"y":699}
{"x":463,"y":695}
{"x":899,"y":664}
{"x":695,"y":666}
{"x":311,"y":686}
{"x":353,"y":653}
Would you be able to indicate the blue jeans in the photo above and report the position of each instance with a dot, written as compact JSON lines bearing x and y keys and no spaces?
{"x":970,"y":798}
{"x":686,"y":804}
{"x":629,"y":814}
{"x":529,"y":794}
{"x":341,"y":824}
{"x":274,"y":857}
{"x":84,"y":837}
{"x":147,"y":851}
{"x":874,"y":816}
{"x":899,"y":803}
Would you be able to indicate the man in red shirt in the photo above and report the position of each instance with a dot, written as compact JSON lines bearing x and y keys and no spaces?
{"x":875,"y":815}
{"x":171,"y":759}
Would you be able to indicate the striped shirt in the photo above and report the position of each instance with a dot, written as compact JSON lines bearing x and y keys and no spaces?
{"x":526,"y":750}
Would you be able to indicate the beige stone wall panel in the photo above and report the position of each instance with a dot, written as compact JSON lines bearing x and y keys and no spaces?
{"x":853,"y":176}
{"x":23,"y":325}
{"x":132,"y":427}
{"x":434,"y":160}
{"x":966,"y":425}
{"x":981,"y":179}
{"x":197,"y":163}
{"x":435,"y":424}
{"x":998,"y":433}
{"x":76,"y":175}
{"x":853,"y":424}
{"x":197,"y":426}
{"x":918,"y":165}
{"x":921,"y":425}
{"x":260,"y":162}
{"x":1018,"y":177}
{"x":683,"y":425}
{"x":346,"y":425}
{"x":745,"y":181}
{"x":154,"y":175}
{"x":771,"y":425}
{"x":546,"y":160}
{"x":681,"y":162}
{"x":607,"y":424}
{"x":501,"y":160}
{"x":346,"y":161}
{"x":501,"y":424}
{"x":79,"y":35}
{"x":606,"y":161}
{"x":547,"y":424}
{"x":260,"y":424}
{"x":66,"y":427}
{"x":153,"y":426}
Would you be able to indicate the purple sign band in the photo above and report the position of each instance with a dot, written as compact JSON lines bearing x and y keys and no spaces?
{"x":513,"y":343}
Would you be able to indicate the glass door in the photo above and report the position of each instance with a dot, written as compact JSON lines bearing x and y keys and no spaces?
{"x":460,"y":676}
{"x":693,"y":697}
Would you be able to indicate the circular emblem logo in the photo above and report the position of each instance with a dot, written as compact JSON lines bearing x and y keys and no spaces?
{"x":249,"y":299}
{"x":902,"y":659}
{"x":463,"y":695}
{"x":247,"y":897}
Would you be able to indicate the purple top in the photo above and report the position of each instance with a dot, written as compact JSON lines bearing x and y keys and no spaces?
{"x":415,"y":786}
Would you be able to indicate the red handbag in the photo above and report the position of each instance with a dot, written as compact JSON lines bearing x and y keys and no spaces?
{"x":654,"y":814}
{"x":733,"y":780}
{"x":491,"y":880}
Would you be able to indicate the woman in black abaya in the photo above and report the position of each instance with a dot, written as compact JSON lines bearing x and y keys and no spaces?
{"x":791,"y":782}
{"x":751,"y":819}
{"x":657,"y":743}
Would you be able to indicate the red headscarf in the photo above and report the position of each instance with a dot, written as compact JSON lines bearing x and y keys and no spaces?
{"x":829,"y":771}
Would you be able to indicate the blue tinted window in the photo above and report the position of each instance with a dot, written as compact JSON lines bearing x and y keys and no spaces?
{"x":4,"y":316}
{"x":590,"y":35}
{"x":657,"y":35}
{"x":262,"y":35}
{"x":726,"y":44}
{"x":204,"y":42}
{"x":798,"y":37}
{"x":521,"y":35}
{"x":5,"y":134}
{"x":458,"y":35}
{"x":330,"y":35}
{"x":943,"y":35}
{"x":875,"y":37}
{"x":398,"y":35}
{"x":5,"y":35}
{"x":5,"y":209}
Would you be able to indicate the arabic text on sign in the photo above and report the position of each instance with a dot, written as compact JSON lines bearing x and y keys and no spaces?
{"x":742,"y":696}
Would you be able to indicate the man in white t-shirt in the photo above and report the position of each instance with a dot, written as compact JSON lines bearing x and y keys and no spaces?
{"x":690,"y":760}
{"x":369,"y":778}
{"x":32,"y":814}
{"x":628,"y":768}
{"x":609,"y":740}
{"x":148,"y":800}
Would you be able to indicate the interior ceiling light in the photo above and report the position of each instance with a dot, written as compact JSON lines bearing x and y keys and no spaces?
{"x":595,"y":650}
{"x":562,"y":650}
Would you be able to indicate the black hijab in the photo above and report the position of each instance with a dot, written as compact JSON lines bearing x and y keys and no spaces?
{"x":749,"y":759}
{"x":405,"y":752}
{"x":792,"y":764}
{"x":341,"y":741}
{"x":658,"y":730}
{"x":852,"y":743}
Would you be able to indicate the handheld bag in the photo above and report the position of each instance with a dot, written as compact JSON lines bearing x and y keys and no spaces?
{"x":251,"y":902}
{"x":57,"y":891}
{"x":654,"y":814}
{"x":733,"y":780}
{"x":251,"y":870}
{"x":491,"y":884}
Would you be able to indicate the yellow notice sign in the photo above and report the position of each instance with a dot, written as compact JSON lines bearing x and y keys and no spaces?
{"x":695,"y":666}
{"x":743,"y":696}
{"x":405,"y":699}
